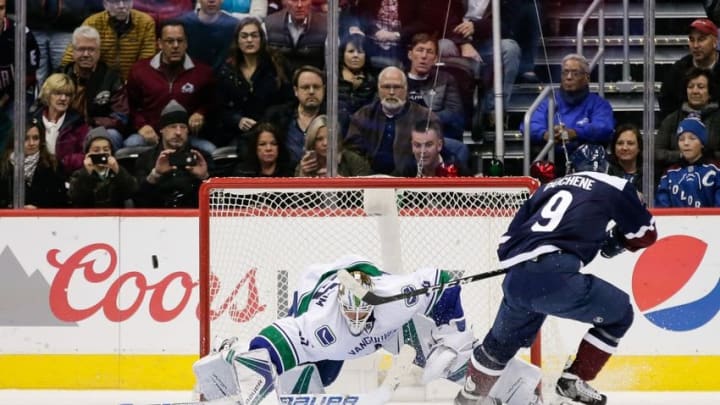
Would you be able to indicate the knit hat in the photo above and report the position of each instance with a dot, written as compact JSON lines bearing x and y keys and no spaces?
{"x":705,"y":26}
{"x":173,"y":113}
{"x":695,"y":127}
{"x":96,"y":133}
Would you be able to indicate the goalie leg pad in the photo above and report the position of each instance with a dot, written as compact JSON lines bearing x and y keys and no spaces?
{"x":301,"y":380}
{"x":248,"y":376}
{"x":516,"y":385}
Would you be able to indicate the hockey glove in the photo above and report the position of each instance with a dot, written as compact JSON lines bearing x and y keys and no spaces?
{"x":449,"y":353}
{"x":614,"y":243}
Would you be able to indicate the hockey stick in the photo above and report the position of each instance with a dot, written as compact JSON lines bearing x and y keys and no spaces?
{"x":373,"y":299}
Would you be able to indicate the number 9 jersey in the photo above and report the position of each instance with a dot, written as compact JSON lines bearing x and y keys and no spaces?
{"x":571,"y":214}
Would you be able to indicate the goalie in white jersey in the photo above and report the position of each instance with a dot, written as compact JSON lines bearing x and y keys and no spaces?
{"x":328,"y":325}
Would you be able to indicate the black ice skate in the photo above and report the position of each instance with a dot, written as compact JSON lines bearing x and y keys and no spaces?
{"x":573,"y":388}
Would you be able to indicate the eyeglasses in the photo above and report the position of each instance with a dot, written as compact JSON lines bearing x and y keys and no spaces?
{"x":311,"y":87}
{"x":173,"y":41}
{"x":84,"y":49}
{"x":253,"y":35}
{"x":572,"y":73}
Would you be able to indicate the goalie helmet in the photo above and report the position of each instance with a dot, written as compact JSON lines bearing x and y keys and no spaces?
{"x":355,"y":311}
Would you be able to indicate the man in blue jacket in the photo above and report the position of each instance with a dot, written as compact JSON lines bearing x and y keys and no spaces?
{"x":580,"y":116}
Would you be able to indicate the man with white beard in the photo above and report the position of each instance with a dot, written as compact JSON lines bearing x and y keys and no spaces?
{"x":380,"y":131}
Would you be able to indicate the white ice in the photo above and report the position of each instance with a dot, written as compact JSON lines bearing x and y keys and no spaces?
{"x":59,"y":397}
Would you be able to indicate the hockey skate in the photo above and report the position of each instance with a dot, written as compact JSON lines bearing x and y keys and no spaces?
{"x":477,"y":383}
{"x":573,"y":390}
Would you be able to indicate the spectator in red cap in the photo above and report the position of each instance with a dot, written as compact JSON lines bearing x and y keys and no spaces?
{"x":703,"y":43}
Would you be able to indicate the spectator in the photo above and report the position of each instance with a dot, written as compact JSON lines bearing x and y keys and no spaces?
{"x":241,"y":9}
{"x":209,"y":33}
{"x":169,"y":75}
{"x":314,"y":161}
{"x":703,"y":43}
{"x":253,"y":80}
{"x":430,"y":157}
{"x":692,"y":183}
{"x":100,"y":94}
{"x":298,"y":34}
{"x":294,"y":118}
{"x":357,"y":86}
{"x":52,"y":22}
{"x":164,"y":10}
{"x":44,"y":178}
{"x":170,"y":174}
{"x":478,"y":26}
{"x":434,"y":88}
{"x":582,"y":117}
{"x":102,"y":182}
{"x":380,"y":131}
{"x":64,"y":127}
{"x":7,"y":63}
{"x":382,"y":22}
{"x":126,"y":35}
{"x":268,"y":156}
{"x":522,"y":18}
{"x":699,"y":86}
{"x":626,"y":151}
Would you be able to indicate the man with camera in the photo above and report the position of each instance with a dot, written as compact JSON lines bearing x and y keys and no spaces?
{"x":171,"y":173}
{"x":101,"y":182}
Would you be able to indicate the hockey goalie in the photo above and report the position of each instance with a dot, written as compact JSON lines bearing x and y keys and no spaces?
{"x":327,"y":325}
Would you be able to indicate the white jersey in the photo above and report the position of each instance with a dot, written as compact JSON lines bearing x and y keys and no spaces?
{"x":317,"y":331}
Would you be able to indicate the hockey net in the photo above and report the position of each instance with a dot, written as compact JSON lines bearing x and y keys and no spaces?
{"x":257,"y":235}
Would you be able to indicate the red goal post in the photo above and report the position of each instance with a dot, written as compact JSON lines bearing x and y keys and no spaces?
{"x":257,"y":235}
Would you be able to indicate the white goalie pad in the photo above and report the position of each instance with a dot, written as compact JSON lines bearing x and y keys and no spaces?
{"x":517,"y":384}
{"x":301,"y":380}
{"x":248,"y":378}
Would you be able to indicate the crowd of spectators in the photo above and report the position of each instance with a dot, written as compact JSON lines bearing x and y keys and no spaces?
{"x":177,"y":80}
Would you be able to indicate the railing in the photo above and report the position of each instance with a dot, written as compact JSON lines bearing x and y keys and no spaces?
{"x":548,"y":148}
{"x":547,"y":91}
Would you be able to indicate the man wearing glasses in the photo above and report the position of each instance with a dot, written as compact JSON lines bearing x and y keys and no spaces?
{"x":171,"y":75}
{"x":100,"y":91}
{"x":580,"y":117}
{"x":126,"y":35}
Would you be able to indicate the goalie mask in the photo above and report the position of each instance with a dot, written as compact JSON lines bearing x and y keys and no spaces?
{"x":355,"y":311}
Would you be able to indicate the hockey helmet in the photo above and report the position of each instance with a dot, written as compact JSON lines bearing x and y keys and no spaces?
{"x":589,"y":158}
{"x":355,"y":311}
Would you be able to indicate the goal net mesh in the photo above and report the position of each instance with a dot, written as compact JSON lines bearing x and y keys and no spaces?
{"x":258,"y":235}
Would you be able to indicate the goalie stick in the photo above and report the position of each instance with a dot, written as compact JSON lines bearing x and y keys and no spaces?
{"x":373,"y":299}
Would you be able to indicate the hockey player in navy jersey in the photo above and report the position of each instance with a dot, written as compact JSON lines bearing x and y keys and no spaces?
{"x":555,"y":233}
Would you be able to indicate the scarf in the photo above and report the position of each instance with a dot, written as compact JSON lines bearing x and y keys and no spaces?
{"x":574,"y":97}
{"x":29,"y":165}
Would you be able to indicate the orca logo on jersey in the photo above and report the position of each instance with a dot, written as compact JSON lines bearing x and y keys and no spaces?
{"x":660,"y":284}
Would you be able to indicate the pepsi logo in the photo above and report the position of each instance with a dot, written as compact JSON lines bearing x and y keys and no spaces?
{"x":669,"y":269}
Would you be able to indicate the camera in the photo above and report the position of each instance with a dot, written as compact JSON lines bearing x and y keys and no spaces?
{"x":100,"y":158}
{"x":182,"y":159}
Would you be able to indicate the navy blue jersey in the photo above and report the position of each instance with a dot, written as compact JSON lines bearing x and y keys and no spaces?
{"x":571,"y":214}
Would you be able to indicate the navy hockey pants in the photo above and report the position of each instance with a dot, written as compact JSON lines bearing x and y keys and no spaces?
{"x":552,"y":285}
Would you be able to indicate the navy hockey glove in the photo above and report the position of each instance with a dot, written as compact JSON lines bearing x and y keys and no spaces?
{"x":614,"y":243}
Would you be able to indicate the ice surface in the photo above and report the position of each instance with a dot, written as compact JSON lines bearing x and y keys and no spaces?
{"x":59,"y":397}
